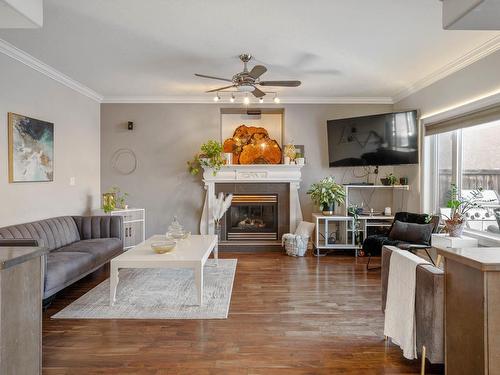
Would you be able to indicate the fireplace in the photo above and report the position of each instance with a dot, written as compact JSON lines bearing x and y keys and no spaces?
{"x":252,"y":217}
{"x":265,"y":205}
{"x":259,"y":214}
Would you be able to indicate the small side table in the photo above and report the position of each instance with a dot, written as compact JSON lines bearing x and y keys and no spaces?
{"x":338,"y":226}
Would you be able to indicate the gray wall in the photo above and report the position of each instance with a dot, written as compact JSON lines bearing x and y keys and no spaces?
{"x":471,"y":83}
{"x":76,"y":146}
{"x":476,"y":81}
{"x":167,"y":135}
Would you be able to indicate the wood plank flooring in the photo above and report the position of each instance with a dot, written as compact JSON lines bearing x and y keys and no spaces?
{"x":292,"y":316}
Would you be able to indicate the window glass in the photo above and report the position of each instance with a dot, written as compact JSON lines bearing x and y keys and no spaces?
{"x":481,"y":169}
{"x":445,"y":163}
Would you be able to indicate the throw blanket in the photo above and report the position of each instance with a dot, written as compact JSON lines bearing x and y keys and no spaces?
{"x":400,"y":306}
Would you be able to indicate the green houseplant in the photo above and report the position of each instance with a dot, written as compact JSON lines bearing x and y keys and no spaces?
{"x":326,"y":193}
{"x":210,"y":156}
{"x":459,"y":206}
{"x":389,"y":180}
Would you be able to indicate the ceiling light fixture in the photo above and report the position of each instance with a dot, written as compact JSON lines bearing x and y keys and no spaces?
{"x":232,"y":98}
{"x":216,"y":98}
{"x":276,"y":99}
{"x":246,"y":100}
{"x":261,"y":100}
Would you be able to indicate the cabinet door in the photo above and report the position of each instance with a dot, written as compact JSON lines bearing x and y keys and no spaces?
{"x":127,"y":235}
{"x":134,"y":233}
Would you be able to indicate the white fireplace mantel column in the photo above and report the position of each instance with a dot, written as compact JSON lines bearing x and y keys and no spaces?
{"x":254,"y":173}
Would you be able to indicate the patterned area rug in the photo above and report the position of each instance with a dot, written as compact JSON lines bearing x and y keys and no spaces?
{"x":159,"y":294}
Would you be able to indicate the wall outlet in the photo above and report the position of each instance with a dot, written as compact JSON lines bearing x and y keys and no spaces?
{"x":72,"y":181}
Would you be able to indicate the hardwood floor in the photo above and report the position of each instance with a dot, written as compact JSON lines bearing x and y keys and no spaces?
{"x":288,"y":315}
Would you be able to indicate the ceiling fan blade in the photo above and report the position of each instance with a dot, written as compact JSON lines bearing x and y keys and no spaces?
{"x":258,"y":93}
{"x":280,"y":83}
{"x":257,"y":71}
{"x":212,"y":77}
{"x":220,"y":88}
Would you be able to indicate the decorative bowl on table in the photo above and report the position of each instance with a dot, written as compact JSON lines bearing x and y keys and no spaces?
{"x":162,"y":247}
{"x":180,"y":235}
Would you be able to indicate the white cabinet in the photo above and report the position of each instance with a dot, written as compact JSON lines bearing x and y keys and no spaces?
{"x":134,"y":225}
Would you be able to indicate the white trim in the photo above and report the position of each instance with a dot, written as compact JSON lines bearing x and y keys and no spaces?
{"x":469,"y":58}
{"x":15,"y":53}
{"x":472,"y":105}
{"x":206,"y":99}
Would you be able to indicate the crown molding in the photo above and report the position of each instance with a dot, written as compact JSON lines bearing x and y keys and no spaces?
{"x":209,"y":100}
{"x":469,"y":58}
{"x":15,"y":53}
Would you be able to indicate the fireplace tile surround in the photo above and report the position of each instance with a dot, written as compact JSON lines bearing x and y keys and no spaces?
{"x":263,"y":193}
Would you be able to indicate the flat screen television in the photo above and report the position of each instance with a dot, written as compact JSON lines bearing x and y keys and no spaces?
{"x":386,"y":139}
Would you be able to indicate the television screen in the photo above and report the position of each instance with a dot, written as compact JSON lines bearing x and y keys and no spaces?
{"x":387,"y":139}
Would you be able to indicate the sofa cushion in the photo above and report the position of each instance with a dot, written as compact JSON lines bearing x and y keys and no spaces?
{"x":411,"y":232}
{"x":63,"y":268}
{"x":52,"y":233}
{"x":102,"y":249}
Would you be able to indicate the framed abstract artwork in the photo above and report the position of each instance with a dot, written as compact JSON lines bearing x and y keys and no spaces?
{"x":31,"y":149}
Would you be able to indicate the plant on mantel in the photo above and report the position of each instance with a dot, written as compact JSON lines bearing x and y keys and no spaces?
{"x":210,"y":156}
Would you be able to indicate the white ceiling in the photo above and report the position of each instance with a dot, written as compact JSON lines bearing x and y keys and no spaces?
{"x":349,"y":48}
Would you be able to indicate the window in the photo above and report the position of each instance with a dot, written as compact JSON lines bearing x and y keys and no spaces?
{"x":470,"y":158}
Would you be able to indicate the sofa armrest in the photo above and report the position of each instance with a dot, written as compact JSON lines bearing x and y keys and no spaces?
{"x":429,"y":311}
{"x":91,"y":227}
{"x":18,"y":242}
{"x":384,"y":275}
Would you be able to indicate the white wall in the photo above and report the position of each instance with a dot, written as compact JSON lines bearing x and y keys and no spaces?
{"x":165,"y":136}
{"x":76,"y":121}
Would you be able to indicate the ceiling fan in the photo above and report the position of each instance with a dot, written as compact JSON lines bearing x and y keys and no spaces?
{"x":246,"y":81}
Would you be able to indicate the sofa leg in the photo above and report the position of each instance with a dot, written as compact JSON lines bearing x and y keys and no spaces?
{"x":422,"y":371}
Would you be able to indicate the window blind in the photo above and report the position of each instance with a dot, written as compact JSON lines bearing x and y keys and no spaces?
{"x":482,"y":116}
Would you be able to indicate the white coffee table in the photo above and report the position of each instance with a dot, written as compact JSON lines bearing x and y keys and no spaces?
{"x":192,"y":252}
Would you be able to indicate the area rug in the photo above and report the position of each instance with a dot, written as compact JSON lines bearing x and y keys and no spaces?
{"x":159,"y":294}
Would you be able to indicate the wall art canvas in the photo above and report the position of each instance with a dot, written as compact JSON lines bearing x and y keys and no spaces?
{"x":31,"y":149}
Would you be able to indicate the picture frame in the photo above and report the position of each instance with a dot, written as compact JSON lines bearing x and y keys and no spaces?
{"x":30,"y":148}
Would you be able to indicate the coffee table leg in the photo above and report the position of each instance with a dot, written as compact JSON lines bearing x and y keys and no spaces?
{"x":113,"y":283}
{"x":216,"y":253}
{"x":198,"y":279}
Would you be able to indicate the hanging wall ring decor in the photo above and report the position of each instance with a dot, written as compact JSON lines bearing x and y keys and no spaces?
{"x":124,"y":161}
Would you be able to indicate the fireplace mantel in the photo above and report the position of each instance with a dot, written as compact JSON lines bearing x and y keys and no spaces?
{"x":253,"y":173}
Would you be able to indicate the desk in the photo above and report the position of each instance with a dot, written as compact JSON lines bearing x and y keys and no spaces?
{"x":472,"y":310}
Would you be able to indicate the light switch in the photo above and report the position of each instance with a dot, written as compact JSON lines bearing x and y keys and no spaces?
{"x":72,"y":181}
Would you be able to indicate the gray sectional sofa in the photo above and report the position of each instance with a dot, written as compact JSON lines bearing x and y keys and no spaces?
{"x":78,"y":245}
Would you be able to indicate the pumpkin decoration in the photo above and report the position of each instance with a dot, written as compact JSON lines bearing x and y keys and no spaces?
{"x":252,"y":145}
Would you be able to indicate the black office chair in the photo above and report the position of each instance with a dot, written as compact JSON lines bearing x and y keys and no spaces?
{"x":372,"y":245}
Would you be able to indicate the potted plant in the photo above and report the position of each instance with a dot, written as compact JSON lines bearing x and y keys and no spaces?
{"x":354,"y":211}
{"x":326,"y":193}
{"x":210,"y":156}
{"x":120,"y":198}
{"x":389,"y":180}
{"x":299,"y":159}
{"x":455,"y":222}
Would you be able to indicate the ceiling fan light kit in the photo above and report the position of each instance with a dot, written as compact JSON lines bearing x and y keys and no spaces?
{"x":237,"y":96}
{"x":247,"y":81}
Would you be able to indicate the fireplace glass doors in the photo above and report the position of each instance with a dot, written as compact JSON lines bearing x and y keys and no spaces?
{"x":252,"y":217}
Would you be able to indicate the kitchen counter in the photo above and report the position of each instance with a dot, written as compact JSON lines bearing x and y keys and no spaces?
{"x":481,"y":258}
